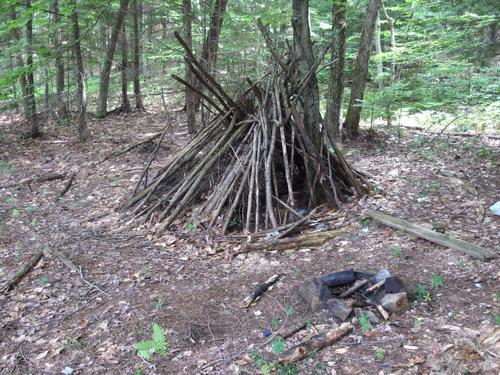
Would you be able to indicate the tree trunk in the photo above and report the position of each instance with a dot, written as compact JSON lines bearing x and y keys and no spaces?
{"x":188,"y":38}
{"x":83,"y":131}
{"x":378,"y":50}
{"x":305,"y":60}
{"x":211,"y":44}
{"x":123,"y":68}
{"x":136,"y":12}
{"x":335,"y":94}
{"x":102,"y":101}
{"x":23,"y":82}
{"x":392,"y":30}
{"x":361,"y":69}
{"x":61,"y":99}
{"x":30,"y":87}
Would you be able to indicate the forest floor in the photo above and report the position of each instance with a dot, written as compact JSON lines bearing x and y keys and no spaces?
{"x":54,"y":322}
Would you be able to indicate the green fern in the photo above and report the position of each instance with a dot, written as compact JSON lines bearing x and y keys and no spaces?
{"x":158,"y":345}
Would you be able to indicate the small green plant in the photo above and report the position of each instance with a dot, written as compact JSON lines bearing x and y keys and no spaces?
{"x":364,"y":323}
{"x":379,"y":355}
{"x":191,"y":227}
{"x":497,"y":319}
{"x":436,"y":281}
{"x":158,"y":345}
{"x":138,"y":371}
{"x":319,"y":368}
{"x":422,"y":293}
{"x":289,"y":310}
{"x":396,"y":251}
{"x":6,"y":168}
{"x":264,"y":366}
{"x":278,"y":345}
{"x":74,"y":342}
{"x":461,"y":262}
{"x":276,"y":322}
{"x":233,"y":222}
{"x":309,"y":324}
{"x":158,"y":304}
{"x":16,"y":213}
{"x":43,"y":280}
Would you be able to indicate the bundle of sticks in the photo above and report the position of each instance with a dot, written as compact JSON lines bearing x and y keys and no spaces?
{"x":252,"y":166}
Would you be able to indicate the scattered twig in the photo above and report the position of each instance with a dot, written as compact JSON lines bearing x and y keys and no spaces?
{"x":259,"y":290}
{"x":68,"y":185}
{"x":28,"y":181}
{"x":119,"y":153}
{"x":35,"y":258}
{"x":375,"y":286}
{"x":358,"y":284}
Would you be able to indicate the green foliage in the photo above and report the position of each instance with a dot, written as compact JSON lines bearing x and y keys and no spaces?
{"x":6,"y":168}
{"x":158,"y":345}
{"x":278,"y":345}
{"x":422,"y":294}
{"x":436,"y":281}
{"x":43,"y":280}
{"x":191,"y":228}
{"x":289,"y":310}
{"x":497,"y":319}
{"x":276,"y":322}
{"x":16,"y":213}
{"x":364,"y":323}
{"x":379,"y":355}
{"x":396,"y":251}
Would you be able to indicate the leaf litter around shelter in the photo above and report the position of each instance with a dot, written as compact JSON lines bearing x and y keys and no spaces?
{"x":185,"y":282}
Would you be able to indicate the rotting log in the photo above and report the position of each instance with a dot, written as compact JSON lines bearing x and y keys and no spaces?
{"x":317,"y":342}
{"x":308,"y":239}
{"x":468,"y":248}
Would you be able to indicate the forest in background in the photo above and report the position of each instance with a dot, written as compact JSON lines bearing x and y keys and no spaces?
{"x":432,"y":56}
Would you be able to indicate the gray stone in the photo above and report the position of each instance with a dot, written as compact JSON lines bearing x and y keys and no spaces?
{"x":395,"y":302}
{"x":338,"y":309}
{"x":381,"y":275}
{"x":372,"y":317}
{"x":312,"y":291}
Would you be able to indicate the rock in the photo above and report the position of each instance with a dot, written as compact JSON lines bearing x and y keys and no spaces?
{"x":338,"y":308}
{"x":395,"y":302}
{"x":312,"y":291}
{"x":381,"y":275}
{"x":496,"y":208}
{"x":372,"y":318}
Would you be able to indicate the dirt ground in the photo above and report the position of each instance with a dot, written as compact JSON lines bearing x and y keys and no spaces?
{"x":53,"y":322}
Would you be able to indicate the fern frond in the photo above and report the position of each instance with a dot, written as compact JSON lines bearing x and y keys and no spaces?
{"x":160,"y":342}
{"x":146,"y":348}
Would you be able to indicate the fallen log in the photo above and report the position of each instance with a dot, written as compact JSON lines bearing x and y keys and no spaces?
{"x":439,"y":238}
{"x":33,"y":260}
{"x":28,"y":181}
{"x":317,"y":342}
{"x":304,"y":240}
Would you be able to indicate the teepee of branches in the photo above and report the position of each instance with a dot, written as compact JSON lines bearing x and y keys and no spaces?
{"x":253,"y":166}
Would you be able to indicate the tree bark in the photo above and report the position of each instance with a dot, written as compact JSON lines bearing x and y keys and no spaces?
{"x":30,"y":87}
{"x":361,"y":69}
{"x":305,"y":61}
{"x":123,"y":68}
{"x":378,"y":50}
{"x":190,"y":97}
{"x":136,"y":11}
{"x":61,"y":99}
{"x":83,"y":131}
{"x":102,"y":101}
{"x":392,"y":30}
{"x":23,"y":82}
{"x":335,"y":94}
{"x":211,"y":44}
